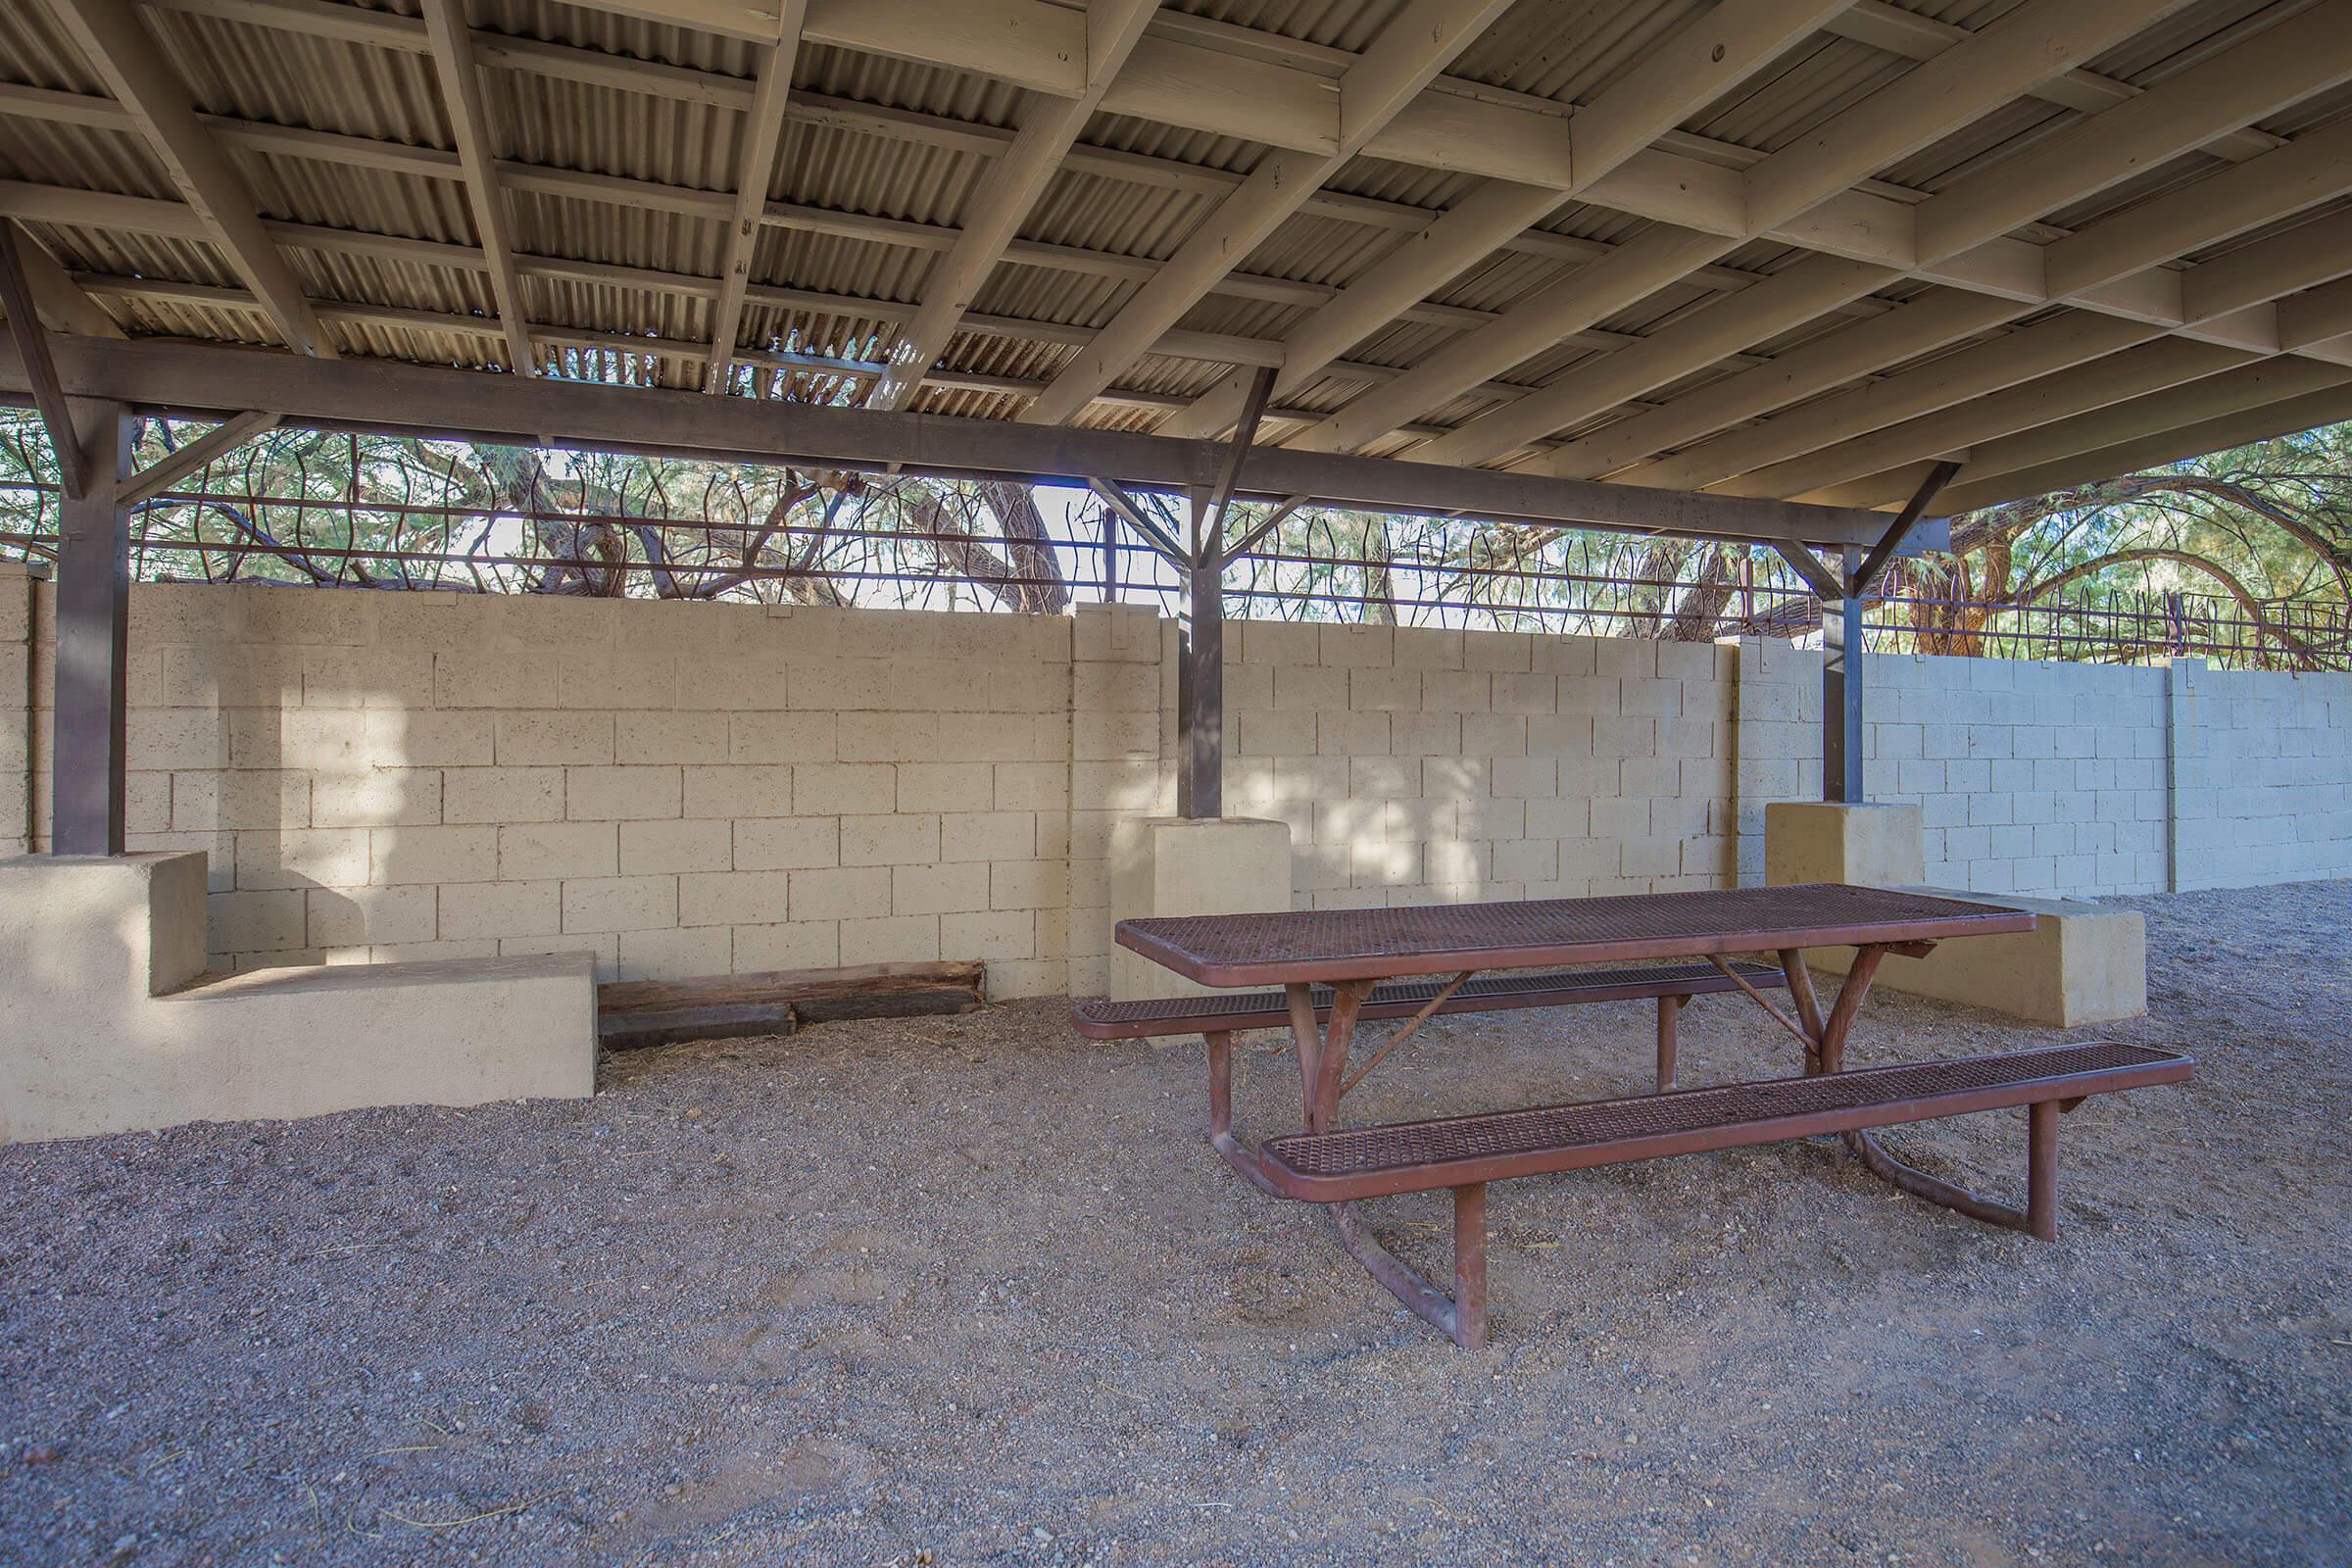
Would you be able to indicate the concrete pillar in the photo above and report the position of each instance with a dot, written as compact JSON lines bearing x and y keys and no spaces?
{"x":1177,"y":865}
{"x":1833,"y":841}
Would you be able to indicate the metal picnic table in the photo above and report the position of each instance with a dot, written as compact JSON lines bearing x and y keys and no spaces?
{"x":1352,"y":951}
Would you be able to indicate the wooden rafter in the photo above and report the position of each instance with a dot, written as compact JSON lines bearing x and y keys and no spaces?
{"x":1707,"y":58}
{"x":32,"y":339}
{"x":1004,"y":196}
{"x":1972,"y":77}
{"x":461,"y":80}
{"x":754,"y":168}
{"x":1410,"y":51}
{"x":1979,"y":237}
{"x":126,"y":58}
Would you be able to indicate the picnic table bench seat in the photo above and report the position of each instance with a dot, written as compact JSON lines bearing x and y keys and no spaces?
{"x":1462,"y":1153}
{"x":1670,"y":984}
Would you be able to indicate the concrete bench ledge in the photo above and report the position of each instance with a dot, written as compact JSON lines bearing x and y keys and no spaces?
{"x":109,"y":1025}
{"x":2083,"y":962}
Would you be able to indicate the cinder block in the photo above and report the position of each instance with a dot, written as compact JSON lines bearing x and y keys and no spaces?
{"x":842,"y":788}
{"x":400,"y":855}
{"x":620,"y":903}
{"x":395,"y":797}
{"x":729,"y":790}
{"x":1356,"y":646}
{"x":785,"y":738}
{"x":655,"y":738}
{"x":939,"y":889}
{"x":503,"y":794}
{"x":1043,"y":977}
{"x":986,"y":835}
{"x":325,"y":738}
{"x":331,"y":858}
{"x":254,"y":922}
{"x":557,"y":850}
{"x":679,"y":955}
{"x":624,"y":793}
{"x":906,"y":839}
{"x":648,"y":849}
{"x":554,"y":740}
{"x":482,"y":678}
{"x":793,"y":945}
{"x":989,"y":937}
{"x":946,"y":786}
{"x":846,"y":893}
{"x":275,"y":799}
{"x":231,"y":676}
{"x":791,"y":842}
{"x":1032,"y":787}
{"x":160,"y":739}
{"x":1506,"y":650}
{"x":367,"y":677}
{"x":362,"y":916}
{"x":847,"y":685}
{"x":639,"y":680}
{"x":472,"y":911}
{"x":733,"y":898}
{"x":1028,"y":885}
{"x":427,"y":738}
{"x":895,"y":939}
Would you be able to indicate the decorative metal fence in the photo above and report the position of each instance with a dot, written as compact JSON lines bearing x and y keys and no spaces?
{"x":334,"y":509}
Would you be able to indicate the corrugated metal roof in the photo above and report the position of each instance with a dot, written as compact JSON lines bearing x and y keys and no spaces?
{"x":882,"y":137}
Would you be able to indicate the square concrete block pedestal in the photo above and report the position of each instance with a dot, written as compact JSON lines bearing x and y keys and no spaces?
{"x":1828,"y":841}
{"x":2082,"y":963}
{"x":107,"y":1023}
{"x":1172,"y":866}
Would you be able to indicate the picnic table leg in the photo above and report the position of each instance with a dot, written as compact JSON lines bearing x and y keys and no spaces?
{"x":1670,"y":1010}
{"x":2039,"y":1217}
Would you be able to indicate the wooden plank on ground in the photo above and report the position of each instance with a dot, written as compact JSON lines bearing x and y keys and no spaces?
{"x":734,"y":1006}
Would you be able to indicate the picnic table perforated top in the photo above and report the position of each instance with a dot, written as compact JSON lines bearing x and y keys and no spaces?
{"x":1326,"y":945}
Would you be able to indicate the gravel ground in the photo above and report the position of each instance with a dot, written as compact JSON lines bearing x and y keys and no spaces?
{"x":968,"y":1290}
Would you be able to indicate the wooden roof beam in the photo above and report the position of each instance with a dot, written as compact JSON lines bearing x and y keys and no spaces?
{"x":460,"y":82}
{"x":1698,"y":65}
{"x":1914,"y":36}
{"x":32,"y":340}
{"x":755,"y":171}
{"x":2276,"y":67}
{"x":2044,"y":400}
{"x":1989,"y":69}
{"x":2300,"y":57}
{"x":127,"y":58}
{"x":2231,"y":391}
{"x":1004,"y":196}
{"x":2215,"y":433}
{"x":1411,"y":50}
{"x":469,"y":405}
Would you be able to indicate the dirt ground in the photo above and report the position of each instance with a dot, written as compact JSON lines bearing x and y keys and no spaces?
{"x":970,"y":1290}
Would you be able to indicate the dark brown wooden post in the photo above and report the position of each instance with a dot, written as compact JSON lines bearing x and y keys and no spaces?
{"x":93,"y":626}
{"x":1841,"y":689}
{"x":1203,"y":715}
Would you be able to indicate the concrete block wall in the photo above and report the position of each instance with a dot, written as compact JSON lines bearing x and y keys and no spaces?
{"x":16,"y":710}
{"x":2262,"y":779}
{"x":2075,"y":780}
{"x":1418,"y":765}
{"x":678,"y":789}
{"x":698,"y":789}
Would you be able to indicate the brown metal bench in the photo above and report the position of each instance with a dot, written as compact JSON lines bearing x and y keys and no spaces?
{"x":1672,"y":984}
{"x":1462,"y":1153}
